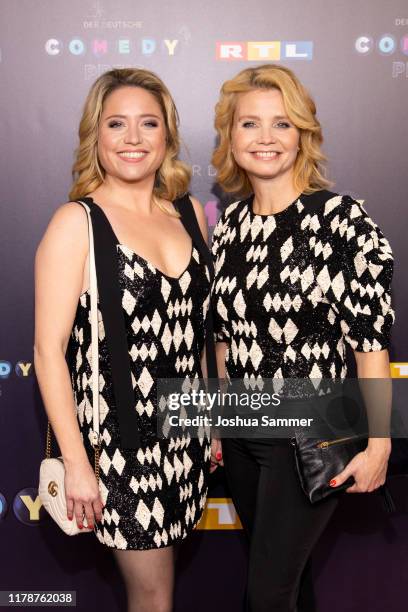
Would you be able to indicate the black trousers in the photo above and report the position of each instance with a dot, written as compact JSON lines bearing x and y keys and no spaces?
{"x":281,"y":523}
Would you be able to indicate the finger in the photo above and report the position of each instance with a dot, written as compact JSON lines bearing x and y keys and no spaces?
{"x":70,"y":508}
{"x":216,"y":450}
{"x":340,"y":478}
{"x":353,"y":489}
{"x":98,"y":509}
{"x":79,"y":513}
{"x":213,"y":467}
{"x":89,"y":514}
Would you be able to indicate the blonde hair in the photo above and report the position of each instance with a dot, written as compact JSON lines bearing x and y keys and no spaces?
{"x":173,"y":176}
{"x":301,"y":110}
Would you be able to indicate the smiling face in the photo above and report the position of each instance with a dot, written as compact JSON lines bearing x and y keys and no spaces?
{"x":264,"y":141}
{"x":131,"y":135}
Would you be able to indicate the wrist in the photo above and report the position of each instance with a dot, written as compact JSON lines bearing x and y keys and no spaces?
{"x":75,"y":462}
{"x":379,"y":446}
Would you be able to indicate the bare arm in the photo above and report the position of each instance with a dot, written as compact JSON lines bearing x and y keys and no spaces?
{"x":59,"y":264}
{"x":59,"y":272}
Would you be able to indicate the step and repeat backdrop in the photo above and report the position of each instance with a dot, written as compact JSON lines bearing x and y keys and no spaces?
{"x":353,"y":57}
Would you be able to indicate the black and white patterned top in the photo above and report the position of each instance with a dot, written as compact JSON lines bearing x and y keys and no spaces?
{"x":291,"y":288}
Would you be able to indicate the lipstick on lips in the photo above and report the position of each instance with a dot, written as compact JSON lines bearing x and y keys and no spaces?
{"x":266,"y":155}
{"x":132,"y":156}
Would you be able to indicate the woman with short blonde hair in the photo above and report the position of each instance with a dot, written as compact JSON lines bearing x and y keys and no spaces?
{"x":299,"y":272}
{"x":308,"y":175}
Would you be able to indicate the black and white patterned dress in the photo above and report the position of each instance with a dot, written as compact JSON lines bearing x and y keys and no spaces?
{"x":291,"y":288}
{"x":154,"y":495}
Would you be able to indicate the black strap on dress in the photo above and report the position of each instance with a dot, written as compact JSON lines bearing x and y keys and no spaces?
{"x":189,"y":220}
{"x":110,"y":304}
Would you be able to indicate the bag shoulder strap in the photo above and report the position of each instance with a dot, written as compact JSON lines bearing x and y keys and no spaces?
{"x":189,"y":219}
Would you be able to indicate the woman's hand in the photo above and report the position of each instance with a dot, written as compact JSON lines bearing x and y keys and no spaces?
{"x":82,"y":494}
{"x":216,"y":454}
{"x":368,"y":468}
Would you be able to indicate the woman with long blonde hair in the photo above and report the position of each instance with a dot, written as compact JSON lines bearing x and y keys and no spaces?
{"x":151,"y":490}
{"x":299,"y":272}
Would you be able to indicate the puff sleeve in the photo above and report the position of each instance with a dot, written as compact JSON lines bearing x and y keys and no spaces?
{"x":355,"y":273}
{"x":220,"y":332}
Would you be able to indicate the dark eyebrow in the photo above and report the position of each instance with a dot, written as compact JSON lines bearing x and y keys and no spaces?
{"x":256,"y":117}
{"x":125,"y":116}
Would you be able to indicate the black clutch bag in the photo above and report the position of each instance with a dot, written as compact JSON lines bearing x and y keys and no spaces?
{"x":318,"y":461}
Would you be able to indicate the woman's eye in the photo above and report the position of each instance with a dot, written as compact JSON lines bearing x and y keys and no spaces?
{"x":151,"y":123}
{"x":283,"y":124}
{"x":114,"y":123}
{"x":248,"y":124}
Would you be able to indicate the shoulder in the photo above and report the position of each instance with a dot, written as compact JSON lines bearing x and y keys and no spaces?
{"x":346,"y":223}
{"x":338,"y":213}
{"x":345,"y":206}
{"x":67,"y":226}
{"x":69,"y":213}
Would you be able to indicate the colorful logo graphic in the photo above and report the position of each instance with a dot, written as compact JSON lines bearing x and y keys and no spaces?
{"x":399,"y":369}
{"x":219,"y":513}
{"x":24,"y":369}
{"x":27,"y":507}
{"x":387,"y":44}
{"x":274,"y":50}
{"x":5,"y":369}
{"x":103,"y":47}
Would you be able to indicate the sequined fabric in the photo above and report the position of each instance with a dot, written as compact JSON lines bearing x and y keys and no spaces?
{"x":155,"y":495}
{"x":291,"y":288}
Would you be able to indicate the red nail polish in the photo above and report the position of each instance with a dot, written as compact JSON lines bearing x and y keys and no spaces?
{"x":332,"y":482}
{"x":80,"y":526}
{"x":218,"y":455}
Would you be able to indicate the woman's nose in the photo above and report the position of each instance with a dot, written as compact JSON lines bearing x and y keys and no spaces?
{"x":267,"y":136}
{"x":133,"y":135}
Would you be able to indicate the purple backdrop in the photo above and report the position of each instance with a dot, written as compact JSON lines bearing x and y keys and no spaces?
{"x":353,"y":56}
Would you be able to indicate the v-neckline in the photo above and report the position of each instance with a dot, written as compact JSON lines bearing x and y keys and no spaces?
{"x":143,"y":259}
